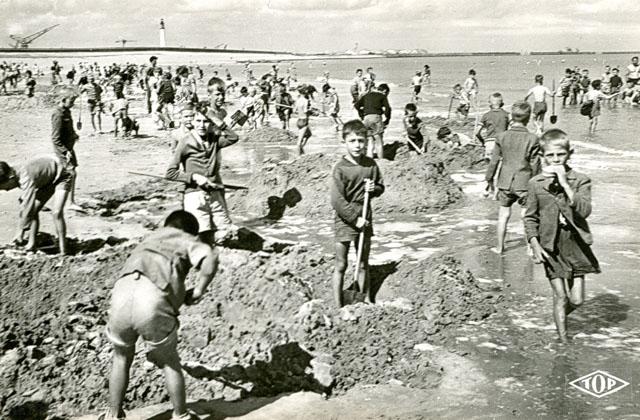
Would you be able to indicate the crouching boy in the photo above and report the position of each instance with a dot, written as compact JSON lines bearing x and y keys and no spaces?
{"x":353,"y":174}
{"x":145,"y":302}
{"x":39,"y":179}
{"x":558,"y":204}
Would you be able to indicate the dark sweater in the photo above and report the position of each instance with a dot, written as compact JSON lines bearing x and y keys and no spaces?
{"x":347,"y":187}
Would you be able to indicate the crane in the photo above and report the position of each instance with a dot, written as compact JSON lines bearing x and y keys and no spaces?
{"x":124,"y":41}
{"x":23,"y":42}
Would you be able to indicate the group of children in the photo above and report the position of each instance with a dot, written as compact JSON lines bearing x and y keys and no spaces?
{"x":145,"y":301}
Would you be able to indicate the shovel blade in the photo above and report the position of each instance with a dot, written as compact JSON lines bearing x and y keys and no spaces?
{"x":79,"y":125}
{"x":553,"y":119}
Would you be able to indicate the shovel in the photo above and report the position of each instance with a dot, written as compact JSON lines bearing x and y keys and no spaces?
{"x":361,"y":237}
{"x":554,"y":117}
{"x":79,"y":122}
{"x":449,"y":112}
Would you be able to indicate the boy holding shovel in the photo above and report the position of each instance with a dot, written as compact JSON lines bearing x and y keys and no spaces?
{"x":355,"y":179}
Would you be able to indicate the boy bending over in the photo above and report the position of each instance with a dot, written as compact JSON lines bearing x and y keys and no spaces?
{"x":556,"y":226}
{"x":40,"y":179}
{"x":145,"y":301}
{"x":353,"y":174}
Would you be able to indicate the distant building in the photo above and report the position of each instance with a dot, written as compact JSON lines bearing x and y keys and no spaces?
{"x":163,"y":40}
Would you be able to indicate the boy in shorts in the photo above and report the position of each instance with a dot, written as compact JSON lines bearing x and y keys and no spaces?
{"x":518,"y":149}
{"x":494,"y":122}
{"x":39,"y":179}
{"x":145,"y":302}
{"x":565,"y":86}
{"x":559,"y":202}
{"x":284,"y":105}
{"x":333,"y":105}
{"x":302,"y":107}
{"x":353,"y":174}
{"x":94,"y":102}
{"x":413,"y":127}
{"x":539,"y":93}
{"x":416,"y":82}
{"x":374,"y":110}
{"x":463,"y":105}
{"x":197,"y":160}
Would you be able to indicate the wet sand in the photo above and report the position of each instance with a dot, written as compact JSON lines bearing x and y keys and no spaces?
{"x":516,"y":367}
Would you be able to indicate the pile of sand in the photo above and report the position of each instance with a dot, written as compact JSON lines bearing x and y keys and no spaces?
{"x":266,"y":326}
{"x":20,"y":101}
{"x":270,"y":135}
{"x":414,"y":185}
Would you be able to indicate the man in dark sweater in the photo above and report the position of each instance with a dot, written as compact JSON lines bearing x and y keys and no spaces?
{"x":371,"y":107}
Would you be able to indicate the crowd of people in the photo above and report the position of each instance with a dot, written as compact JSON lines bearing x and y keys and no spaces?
{"x":528,"y":168}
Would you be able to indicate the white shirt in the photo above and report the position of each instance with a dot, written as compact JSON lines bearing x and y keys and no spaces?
{"x":539,"y":93}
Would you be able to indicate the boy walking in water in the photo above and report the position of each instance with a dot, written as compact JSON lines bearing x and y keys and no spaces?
{"x":539,"y":93}
{"x":555,"y":223}
{"x":494,"y":122}
{"x":353,"y":174}
{"x":518,"y":149}
{"x":145,"y":301}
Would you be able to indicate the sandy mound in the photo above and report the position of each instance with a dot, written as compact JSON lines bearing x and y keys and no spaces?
{"x":270,"y":135}
{"x":453,"y":123}
{"x":20,"y":101}
{"x":266,"y":326}
{"x":466,"y":157}
{"x":413,"y":185}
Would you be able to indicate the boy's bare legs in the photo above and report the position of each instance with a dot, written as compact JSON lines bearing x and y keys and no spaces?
{"x":504,"y":213}
{"x":560,"y":303}
{"x":119,"y":379}
{"x":575,"y":292}
{"x":72,"y":194}
{"x":59,"y":200}
{"x":303,"y":137}
{"x":342,"y":252}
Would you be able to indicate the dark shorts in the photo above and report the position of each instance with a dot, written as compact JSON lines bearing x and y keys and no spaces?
{"x":94,"y":106}
{"x":572,"y":257}
{"x":302,"y":123}
{"x":508,"y":198}
{"x":463,"y":109}
{"x":417,"y":89}
{"x":284,"y":115}
{"x":539,"y":109}
{"x":345,"y":232}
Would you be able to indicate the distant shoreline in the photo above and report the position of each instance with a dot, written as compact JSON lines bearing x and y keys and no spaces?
{"x":265,"y":56}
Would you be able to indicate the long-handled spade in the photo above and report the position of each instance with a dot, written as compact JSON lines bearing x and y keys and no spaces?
{"x":79,"y":122}
{"x":449,"y":112}
{"x":554,"y":117}
{"x":361,"y":239}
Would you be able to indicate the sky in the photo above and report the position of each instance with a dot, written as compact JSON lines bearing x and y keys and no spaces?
{"x":332,"y":25}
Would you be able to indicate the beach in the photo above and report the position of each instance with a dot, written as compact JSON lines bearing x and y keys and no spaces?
{"x":503,"y":363}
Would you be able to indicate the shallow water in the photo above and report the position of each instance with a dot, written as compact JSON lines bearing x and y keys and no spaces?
{"x":515,"y":349}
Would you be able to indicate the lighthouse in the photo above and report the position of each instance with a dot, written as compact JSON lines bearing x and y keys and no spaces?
{"x":163,"y":40}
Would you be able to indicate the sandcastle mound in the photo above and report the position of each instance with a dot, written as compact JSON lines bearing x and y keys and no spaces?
{"x":270,"y":135}
{"x":414,"y":185}
{"x":266,"y":326}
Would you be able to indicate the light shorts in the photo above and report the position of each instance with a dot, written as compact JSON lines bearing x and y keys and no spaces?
{"x":140,"y":309}
{"x":210,"y":208}
{"x":374,"y":125}
{"x":489,"y":145}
